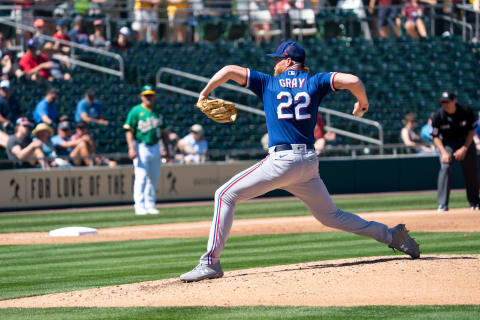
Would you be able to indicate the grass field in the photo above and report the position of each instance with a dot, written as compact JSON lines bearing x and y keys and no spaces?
{"x":108,"y":219}
{"x":29,"y":270}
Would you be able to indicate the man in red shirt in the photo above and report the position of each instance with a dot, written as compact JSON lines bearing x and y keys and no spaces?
{"x":34,"y":66}
{"x":62,"y":34}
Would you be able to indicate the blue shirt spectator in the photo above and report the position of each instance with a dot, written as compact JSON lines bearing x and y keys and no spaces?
{"x":47,"y":110}
{"x":426,"y":130}
{"x":89,"y":109}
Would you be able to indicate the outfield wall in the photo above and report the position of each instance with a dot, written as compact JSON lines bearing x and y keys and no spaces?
{"x":23,"y":189}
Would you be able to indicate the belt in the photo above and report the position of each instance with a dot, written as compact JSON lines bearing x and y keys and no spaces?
{"x":283,"y":147}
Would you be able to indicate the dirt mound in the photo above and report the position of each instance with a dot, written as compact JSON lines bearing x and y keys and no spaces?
{"x":398,"y":280}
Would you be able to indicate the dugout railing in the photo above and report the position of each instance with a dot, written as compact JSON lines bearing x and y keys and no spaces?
{"x":328,"y":112}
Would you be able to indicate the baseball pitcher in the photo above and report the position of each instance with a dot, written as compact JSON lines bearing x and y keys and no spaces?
{"x":290,"y":98}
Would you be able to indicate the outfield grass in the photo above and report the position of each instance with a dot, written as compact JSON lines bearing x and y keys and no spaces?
{"x":107,"y":219}
{"x":245,"y":313}
{"x":29,"y":270}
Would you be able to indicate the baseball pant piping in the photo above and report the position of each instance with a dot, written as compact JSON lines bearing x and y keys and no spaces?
{"x":281,"y":173}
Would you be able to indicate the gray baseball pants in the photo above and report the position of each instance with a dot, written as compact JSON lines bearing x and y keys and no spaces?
{"x":295,"y":171}
{"x":469,"y":170}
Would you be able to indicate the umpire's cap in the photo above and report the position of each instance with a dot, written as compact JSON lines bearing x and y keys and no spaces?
{"x":147,"y":90}
{"x":290,"y":49}
{"x":447,"y":96}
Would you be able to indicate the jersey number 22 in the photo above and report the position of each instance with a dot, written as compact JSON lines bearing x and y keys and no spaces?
{"x":286,"y":105}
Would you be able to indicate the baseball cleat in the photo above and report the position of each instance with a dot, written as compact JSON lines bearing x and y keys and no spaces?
{"x":402,"y":241}
{"x":141,"y":212}
{"x":202,"y":272}
{"x":442,"y":208}
{"x":152,"y":211}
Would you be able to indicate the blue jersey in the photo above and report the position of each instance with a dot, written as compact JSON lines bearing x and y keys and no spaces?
{"x":290,"y":101}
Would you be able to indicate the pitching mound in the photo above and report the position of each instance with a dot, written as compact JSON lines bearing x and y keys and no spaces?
{"x":398,"y":280}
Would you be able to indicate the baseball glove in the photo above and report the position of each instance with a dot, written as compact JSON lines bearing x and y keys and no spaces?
{"x":218,"y":110}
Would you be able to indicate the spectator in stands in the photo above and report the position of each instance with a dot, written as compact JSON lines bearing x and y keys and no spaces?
{"x":43,"y":132}
{"x":123,"y":40}
{"x":6,"y":57}
{"x":264,"y":141}
{"x":410,"y":138}
{"x":77,"y":150}
{"x":9,"y":107}
{"x":35,"y":66}
{"x":193,"y":146}
{"x":97,"y":39}
{"x":61,"y":34}
{"x":81,"y":133}
{"x":321,"y":136}
{"x":476,"y":137}
{"x":39,"y":24}
{"x":22,"y":149}
{"x":146,"y":20}
{"x":261,"y":20}
{"x":426,"y":131}
{"x":77,"y":34}
{"x":387,"y":15}
{"x":178,"y":18}
{"x":10,"y":67}
{"x":89,"y":109}
{"x":56,"y":71}
{"x":47,"y":109}
{"x":414,"y":24}
{"x":173,"y":140}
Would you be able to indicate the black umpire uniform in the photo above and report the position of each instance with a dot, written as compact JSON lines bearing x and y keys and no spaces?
{"x":453,"y":128}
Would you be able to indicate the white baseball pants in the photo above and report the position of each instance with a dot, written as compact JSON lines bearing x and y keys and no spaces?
{"x":147,"y":167}
{"x":295,"y":171}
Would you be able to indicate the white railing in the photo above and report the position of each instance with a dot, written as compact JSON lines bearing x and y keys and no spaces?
{"x":328,"y":112}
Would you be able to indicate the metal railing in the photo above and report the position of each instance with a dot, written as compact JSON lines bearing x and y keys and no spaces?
{"x":328,"y":112}
{"x":74,"y":61}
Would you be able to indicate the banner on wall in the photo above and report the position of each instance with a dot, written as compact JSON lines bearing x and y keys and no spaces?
{"x":21,"y":189}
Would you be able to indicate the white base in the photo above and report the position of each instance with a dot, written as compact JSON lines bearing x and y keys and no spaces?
{"x":72,"y":231}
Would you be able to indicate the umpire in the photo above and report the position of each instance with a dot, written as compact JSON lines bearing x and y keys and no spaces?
{"x":453,"y":128}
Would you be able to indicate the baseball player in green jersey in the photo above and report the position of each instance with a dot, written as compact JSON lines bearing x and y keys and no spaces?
{"x":144,"y":128}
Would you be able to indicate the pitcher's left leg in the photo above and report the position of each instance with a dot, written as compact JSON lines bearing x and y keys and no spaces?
{"x":316,"y":197}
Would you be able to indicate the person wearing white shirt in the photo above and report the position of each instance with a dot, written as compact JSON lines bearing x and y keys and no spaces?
{"x":194,"y":146}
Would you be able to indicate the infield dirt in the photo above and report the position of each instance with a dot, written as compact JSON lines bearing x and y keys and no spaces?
{"x":397,"y":280}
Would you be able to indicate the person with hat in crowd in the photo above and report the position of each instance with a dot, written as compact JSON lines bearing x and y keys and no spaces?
{"x":22,"y":149}
{"x":10,"y":109}
{"x":193,"y":146}
{"x":62,"y":34}
{"x":144,"y":127}
{"x":97,"y":39}
{"x":46,"y":109}
{"x":35,"y":66}
{"x":453,"y":129}
{"x":39,"y":25}
{"x":43,"y":132}
{"x":77,"y":34}
{"x":56,"y":71}
{"x":78,"y":150}
{"x":123,"y":40}
{"x":89,"y":109}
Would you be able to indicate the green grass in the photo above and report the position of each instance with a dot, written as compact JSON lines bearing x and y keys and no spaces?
{"x":245,"y":313}
{"x":107,"y":219}
{"x":30,"y":270}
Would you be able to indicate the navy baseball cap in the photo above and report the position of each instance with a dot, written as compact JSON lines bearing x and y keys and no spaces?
{"x":290,"y":49}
